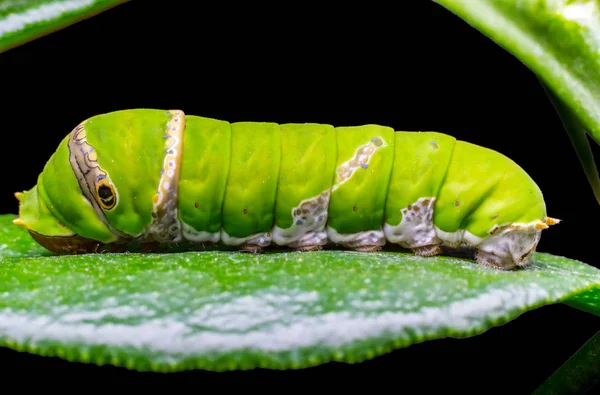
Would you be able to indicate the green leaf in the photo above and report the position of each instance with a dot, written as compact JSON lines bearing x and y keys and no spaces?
{"x":22,"y":21}
{"x":578,"y":136}
{"x":230,"y":310}
{"x":579,"y":374}
{"x":559,"y":40}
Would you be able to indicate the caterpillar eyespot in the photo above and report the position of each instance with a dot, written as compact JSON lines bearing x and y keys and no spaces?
{"x":106,"y":195}
{"x":165,"y":178}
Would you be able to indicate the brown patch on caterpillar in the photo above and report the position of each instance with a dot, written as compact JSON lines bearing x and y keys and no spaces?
{"x":416,"y":230}
{"x":361,"y":159}
{"x":495,"y":217}
{"x":165,"y":226}
{"x":94,"y":182}
{"x":309,"y":219}
{"x":312,"y":211}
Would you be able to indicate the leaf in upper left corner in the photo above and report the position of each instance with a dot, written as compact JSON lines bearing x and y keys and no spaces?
{"x":22,"y":21}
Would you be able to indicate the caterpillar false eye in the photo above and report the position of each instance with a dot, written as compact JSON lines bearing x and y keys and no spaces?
{"x":166,"y":178}
{"x":106,"y":196}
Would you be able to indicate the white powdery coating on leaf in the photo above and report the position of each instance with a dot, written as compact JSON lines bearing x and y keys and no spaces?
{"x":46,"y":12}
{"x":267,"y":330}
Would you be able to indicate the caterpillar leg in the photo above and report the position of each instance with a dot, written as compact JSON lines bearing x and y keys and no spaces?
{"x":251,"y":248}
{"x":369,"y":248}
{"x":430,"y":250}
{"x":309,"y":248}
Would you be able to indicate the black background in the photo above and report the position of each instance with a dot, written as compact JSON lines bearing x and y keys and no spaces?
{"x":408,"y":65}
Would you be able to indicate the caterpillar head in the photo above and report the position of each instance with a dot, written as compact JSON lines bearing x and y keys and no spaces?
{"x":113,"y":179}
{"x":64,"y":211}
{"x":50,"y":232}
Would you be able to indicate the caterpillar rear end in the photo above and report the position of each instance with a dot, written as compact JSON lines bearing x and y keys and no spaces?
{"x":159,"y":177}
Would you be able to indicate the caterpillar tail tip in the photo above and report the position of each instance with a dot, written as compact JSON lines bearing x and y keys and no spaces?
{"x":546,"y":223}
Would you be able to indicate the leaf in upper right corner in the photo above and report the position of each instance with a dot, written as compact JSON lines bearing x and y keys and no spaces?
{"x":559,"y":40}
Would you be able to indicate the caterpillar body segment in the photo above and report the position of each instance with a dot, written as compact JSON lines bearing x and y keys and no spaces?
{"x":249,"y":203}
{"x":308,"y":162}
{"x":164,"y":177}
{"x":364,"y":163}
{"x":206,"y":160}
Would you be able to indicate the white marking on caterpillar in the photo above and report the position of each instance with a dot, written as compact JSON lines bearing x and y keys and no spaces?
{"x":308,"y":227}
{"x":165,"y":226}
{"x":258,"y":240}
{"x":196,"y":236}
{"x":368,"y":238}
{"x":509,"y":244}
{"x":360,"y":160}
{"x":416,"y":228}
{"x":344,"y":172}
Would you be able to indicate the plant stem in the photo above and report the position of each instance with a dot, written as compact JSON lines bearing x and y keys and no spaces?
{"x":579,"y":374}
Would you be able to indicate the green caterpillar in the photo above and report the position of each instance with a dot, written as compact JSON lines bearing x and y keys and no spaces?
{"x":162,"y":178}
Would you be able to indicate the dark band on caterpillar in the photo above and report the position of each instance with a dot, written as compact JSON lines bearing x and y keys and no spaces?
{"x":91,"y":177}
